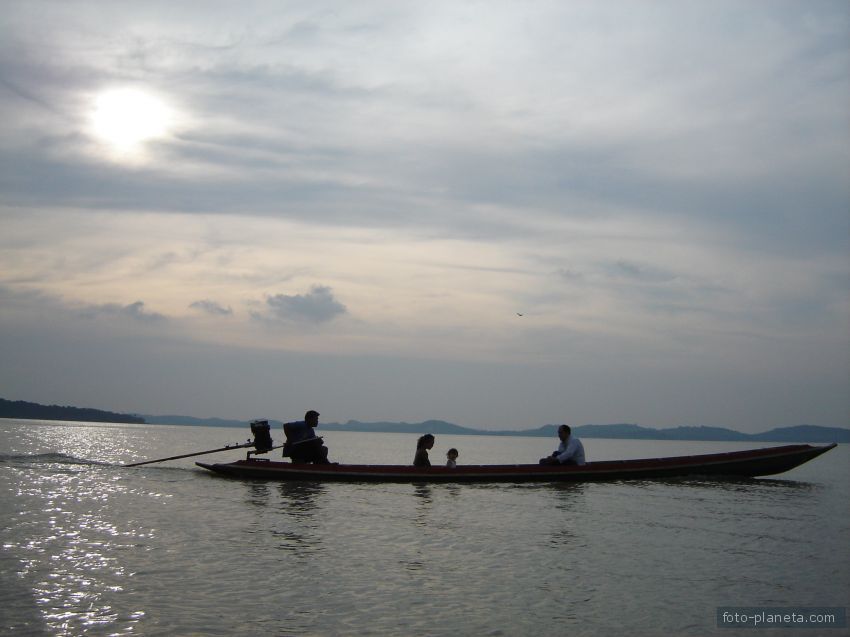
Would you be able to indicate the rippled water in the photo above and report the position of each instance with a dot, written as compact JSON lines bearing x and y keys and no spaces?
{"x":93,"y":548}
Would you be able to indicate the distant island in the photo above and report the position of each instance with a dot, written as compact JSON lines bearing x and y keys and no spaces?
{"x":799,"y":433}
{"x":34,"y":411}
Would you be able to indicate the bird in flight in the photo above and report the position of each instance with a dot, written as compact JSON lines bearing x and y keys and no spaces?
{"x":519,"y":314}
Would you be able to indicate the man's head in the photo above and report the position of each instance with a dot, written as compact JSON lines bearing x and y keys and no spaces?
{"x":312,"y":418}
{"x":564,"y":432}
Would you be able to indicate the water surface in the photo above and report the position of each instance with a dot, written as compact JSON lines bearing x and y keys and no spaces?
{"x":93,"y":548}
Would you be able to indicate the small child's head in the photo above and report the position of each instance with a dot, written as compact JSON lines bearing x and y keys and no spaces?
{"x":452,"y":454}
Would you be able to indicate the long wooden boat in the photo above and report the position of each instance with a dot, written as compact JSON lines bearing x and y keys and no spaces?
{"x":749,"y":463}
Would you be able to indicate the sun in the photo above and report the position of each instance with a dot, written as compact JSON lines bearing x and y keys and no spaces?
{"x":125,"y":119}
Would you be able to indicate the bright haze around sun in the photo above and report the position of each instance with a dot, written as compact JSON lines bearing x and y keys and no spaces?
{"x":125,"y":120}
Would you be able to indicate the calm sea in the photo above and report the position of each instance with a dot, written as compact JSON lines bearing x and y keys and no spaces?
{"x":93,"y":548}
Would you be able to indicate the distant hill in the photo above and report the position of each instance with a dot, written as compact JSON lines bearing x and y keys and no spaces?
{"x":428,"y":426}
{"x":807,"y":433}
{"x":646,"y":433}
{"x":799,"y":433}
{"x":34,"y":411}
{"x":188,"y":420}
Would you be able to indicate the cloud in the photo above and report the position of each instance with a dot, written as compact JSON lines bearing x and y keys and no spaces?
{"x":670,"y":129}
{"x":317,"y":306}
{"x":570,"y":275}
{"x":211,"y":307}
{"x":670,"y":178}
{"x":640,"y":273}
{"x":135,"y":311}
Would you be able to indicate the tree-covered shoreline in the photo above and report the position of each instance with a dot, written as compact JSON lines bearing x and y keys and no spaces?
{"x":35,"y":411}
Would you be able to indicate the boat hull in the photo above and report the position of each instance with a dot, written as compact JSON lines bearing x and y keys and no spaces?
{"x":749,"y":463}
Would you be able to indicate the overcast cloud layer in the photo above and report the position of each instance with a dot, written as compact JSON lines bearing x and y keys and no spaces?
{"x":501,"y":214}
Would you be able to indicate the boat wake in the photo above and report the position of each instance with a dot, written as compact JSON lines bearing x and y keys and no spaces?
{"x":47,"y":458}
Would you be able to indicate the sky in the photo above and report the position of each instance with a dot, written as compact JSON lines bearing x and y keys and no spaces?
{"x":500,"y":214}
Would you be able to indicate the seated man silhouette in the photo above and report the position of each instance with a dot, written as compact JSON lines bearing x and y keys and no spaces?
{"x":570,"y":451}
{"x":302,"y":444}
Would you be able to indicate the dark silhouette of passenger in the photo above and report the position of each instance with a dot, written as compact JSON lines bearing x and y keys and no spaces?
{"x":302,"y":444}
{"x":570,"y":451}
{"x":424,"y":443}
{"x":451,"y":458}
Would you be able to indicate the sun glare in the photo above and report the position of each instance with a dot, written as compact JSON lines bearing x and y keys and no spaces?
{"x":125,"y":119}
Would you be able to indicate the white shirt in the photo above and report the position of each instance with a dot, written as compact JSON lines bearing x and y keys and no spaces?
{"x":572,"y":449}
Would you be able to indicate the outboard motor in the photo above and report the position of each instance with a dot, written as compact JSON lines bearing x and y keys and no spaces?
{"x":262,"y":436}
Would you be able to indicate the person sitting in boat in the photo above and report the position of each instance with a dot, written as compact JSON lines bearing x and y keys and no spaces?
{"x":451,"y":458}
{"x":302,"y":444}
{"x":424,"y":443}
{"x":570,"y":451}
